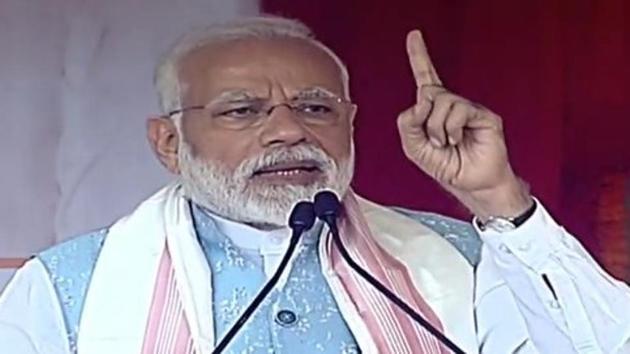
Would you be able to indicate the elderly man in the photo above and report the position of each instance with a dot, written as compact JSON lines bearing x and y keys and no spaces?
{"x":258,"y":116}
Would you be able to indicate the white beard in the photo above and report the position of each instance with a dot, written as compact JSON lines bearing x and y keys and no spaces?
{"x":231,"y":194}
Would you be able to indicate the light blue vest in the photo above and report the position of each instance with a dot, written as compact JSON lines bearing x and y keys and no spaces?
{"x":301,"y":316}
{"x":301,"y":313}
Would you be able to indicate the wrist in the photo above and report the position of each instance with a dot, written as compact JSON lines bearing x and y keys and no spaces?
{"x":507,"y":200}
{"x":501,"y":224}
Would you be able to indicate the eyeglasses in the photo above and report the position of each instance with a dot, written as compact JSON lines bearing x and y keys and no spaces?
{"x":247,"y":113}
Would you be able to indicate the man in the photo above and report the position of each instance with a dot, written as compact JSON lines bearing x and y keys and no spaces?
{"x":258,"y":116}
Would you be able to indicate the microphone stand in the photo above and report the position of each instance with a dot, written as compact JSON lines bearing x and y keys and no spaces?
{"x":302,"y":218}
{"x":326,"y":209}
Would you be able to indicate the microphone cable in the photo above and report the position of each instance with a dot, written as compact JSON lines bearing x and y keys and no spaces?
{"x":301,"y":219}
{"x":327,"y":206}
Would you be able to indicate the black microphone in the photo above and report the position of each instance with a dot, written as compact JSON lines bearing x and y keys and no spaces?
{"x":327,"y":207}
{"x":301,"y":219}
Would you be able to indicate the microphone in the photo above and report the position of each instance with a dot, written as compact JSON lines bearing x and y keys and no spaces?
{"x":301,"y":219}
{"x":327,"y":207}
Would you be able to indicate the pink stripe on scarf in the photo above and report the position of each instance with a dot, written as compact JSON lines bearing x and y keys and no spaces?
{"x":393,"y":332}
{"x":167,"y":328}
{"x":391,"y":329}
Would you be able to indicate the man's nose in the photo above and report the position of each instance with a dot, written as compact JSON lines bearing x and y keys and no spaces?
{"x":282,"y":127}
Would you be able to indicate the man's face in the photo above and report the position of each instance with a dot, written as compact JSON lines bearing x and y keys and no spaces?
{"x":253,"y":168}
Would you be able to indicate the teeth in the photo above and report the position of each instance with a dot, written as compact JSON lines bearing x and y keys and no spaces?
{"x":286,"y":173}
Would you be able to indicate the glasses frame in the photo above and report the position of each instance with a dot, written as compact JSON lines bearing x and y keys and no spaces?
{"x":288,"y":104}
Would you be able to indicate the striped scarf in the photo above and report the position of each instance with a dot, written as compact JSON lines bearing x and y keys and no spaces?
{"x":154,"y":254}
{"x":391,"y":329}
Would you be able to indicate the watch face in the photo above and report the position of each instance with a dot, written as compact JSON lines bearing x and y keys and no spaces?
{"x":500,"y":224}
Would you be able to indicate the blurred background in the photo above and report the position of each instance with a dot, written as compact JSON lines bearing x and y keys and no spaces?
{"x":76,"y":88}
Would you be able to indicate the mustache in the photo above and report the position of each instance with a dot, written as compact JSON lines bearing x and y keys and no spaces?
{"x":301,"y":153}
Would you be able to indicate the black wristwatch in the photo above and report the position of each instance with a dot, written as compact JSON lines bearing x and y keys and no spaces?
{"x":503,"y":224}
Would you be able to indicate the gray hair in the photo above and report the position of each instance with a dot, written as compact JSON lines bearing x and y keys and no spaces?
{"x":168,"y":86}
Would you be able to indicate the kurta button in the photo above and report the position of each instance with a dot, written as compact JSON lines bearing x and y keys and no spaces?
{"x":554,"y":304}
{"x":525,"y":247}
{"x":286,"y":318}
{"x":504,"y":248}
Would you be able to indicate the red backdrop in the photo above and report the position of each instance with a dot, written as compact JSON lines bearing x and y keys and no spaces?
{"x":555,"y":70}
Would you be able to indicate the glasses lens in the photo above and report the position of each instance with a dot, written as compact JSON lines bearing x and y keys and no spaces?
{"x":242,"y":114}
{"x":237,"y":114}
{"x":319,"y":110}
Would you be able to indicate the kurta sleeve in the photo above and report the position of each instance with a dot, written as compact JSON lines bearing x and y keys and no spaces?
{"x":30,"y":316}
{"x":565,"y":300}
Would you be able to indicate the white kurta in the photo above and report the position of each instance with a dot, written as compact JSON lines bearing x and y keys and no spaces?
{"x":582,"y":310}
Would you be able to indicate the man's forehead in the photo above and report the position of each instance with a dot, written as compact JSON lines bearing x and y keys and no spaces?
{"x":254,"y":61}
{"x":250,"y":93}
{"x":255,"y":45}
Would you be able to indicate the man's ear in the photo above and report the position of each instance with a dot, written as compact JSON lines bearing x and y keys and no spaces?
{"x":353,"y":115}
{"x":164,"y":140}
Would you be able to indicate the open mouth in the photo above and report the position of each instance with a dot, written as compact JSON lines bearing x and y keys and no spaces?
{"x":295,"y":172}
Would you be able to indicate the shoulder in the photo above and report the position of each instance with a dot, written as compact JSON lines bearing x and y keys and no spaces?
{"x":79,"y":252}
{"x":30,"y":315}
{"x":460,"y":234}
{"x":70,"y":265}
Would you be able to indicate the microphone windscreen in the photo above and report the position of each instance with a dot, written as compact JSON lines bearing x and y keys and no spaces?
{"x":302,"y":216}
{"x":327,"y":205}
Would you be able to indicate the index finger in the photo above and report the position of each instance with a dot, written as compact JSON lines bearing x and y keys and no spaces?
{"x":423,"y":70}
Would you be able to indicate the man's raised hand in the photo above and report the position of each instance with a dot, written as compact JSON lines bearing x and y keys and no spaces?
{"x":458,"y":143}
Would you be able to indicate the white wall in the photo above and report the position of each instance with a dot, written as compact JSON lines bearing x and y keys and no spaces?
{"x":75,"y":90}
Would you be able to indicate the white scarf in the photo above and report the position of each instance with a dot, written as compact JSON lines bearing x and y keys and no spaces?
{"x":151,"y":285}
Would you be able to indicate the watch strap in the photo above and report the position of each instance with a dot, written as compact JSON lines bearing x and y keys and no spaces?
{"x":503,"y":224}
